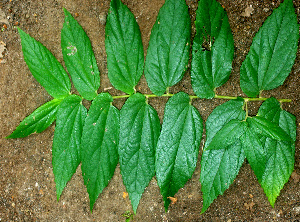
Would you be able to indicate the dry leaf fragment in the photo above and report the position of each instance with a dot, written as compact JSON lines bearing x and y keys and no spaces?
{"x":3,"y":18}
{"x":248,"y":11}
{"x":295,"y":177}
{"x":2,"y":49}
{"x":249,"y":206}
{"x":173,"y":200}
{"x":125,"y":195}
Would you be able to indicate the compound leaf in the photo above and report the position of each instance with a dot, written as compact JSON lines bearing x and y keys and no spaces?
{"x":99,"y":145}
{"x":267,"y":128}
{"x":44,"y":67}
{"x":37,"y":121}
{"x":178,"y":145}
{"x":168,"y":51}
{"x":279,"y":154}
{"x":219,"y":167}
{"x":229,"y":134}
{"x":124,"y":48}
{"x":213,"y":49}
{"x":272,"y":53}
{"x":79,"y":58}
{"x":254,"y":151}
{"x":66,"y":142}
{"x":139,"y":131}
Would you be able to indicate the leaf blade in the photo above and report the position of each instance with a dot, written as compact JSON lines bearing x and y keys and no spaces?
{"x":79,"y":57}
{"x":168,"y":51}
{"x":228,"y":135}
{"x":213,"y":49}
{"x":99,"y":145}
{"x":220,"y":167}
{"x":37,"y":121}
{"x":44,"y":67}
{"x":255,"y":152}
{"x":178,"y":145}
{"x":139,"y":131}
{"x":272,"y":53}
{"x":267,"y":128}
{"x":280,"y":155}
{"x":124,"y":48}
{"x":66,"y":141}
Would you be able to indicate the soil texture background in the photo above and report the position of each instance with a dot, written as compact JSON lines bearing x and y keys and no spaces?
{"x":27,"y":188}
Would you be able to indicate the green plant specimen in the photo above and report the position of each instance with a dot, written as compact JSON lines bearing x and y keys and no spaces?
{"x":102,"y":136}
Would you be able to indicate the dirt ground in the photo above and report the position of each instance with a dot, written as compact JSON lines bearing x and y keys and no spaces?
{"x":27,"y":188}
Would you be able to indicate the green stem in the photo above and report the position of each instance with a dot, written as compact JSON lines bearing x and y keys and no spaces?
{"x":224,"y":97}
{"x":216,"y":97}
{"x":120,"y":97}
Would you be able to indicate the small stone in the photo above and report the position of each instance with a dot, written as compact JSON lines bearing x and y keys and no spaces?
{"x":266,"y":9}
{"x":248,"y":11}
{"x":2,"y":49}
{"x":297,"y":209}
{"x":102,"y":18}
{"x":295,"y":177}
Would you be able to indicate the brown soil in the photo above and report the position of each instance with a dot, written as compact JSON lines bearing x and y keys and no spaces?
{"x":27,"y":188}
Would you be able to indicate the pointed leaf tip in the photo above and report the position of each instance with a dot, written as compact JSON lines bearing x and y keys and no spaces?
{"x":213,"y":49}
{"x":99,"y":154}
{"x":169,"y":45}
{"x":178,"y":145}
{"x":79,"y":58}
{"x":124,"y":48}
{"x":47,"y":71}
{"x":272,"y":53}
{"x":139,"y":131}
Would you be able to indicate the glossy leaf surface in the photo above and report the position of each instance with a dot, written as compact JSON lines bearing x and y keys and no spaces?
{"x":124,"y":48}
{"x":228,"y":135}
{"x":139,"y":131}
{"x":79,"y":58}
{"x":272,"y":53}
{"x":66,"y":142}
{"x":219,"y":167}
{"x":267,"y":128}
{"x":37,"y":121}
{"x":178,"y":145}
{"x":168,"y":51}
{"x":99,"y":145}
{"x":212,"y":49}
{"x":280,"y":155}
{"x":44,"y":67}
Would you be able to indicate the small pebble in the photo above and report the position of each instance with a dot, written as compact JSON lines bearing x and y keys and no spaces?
{"x":102,"y":18}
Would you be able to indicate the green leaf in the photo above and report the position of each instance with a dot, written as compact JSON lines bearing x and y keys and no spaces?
{"x":44,"y":67}
{"x":254,"y":151}
{"x":66,"y":142}
{"x":79,"y":58}
{"x":219,"y":167}
{"x":124,"y":48}
{"x":168,"y":51}
{"x":37,"y":121}
{"x":99,"y":145}
{"x":178,"y":145}
{"x":272,"y":53}
{"x":139,"y":131}
{"x":213,"y":49}
{"x":267,"y":128}
{"x":270,"y":109}
{"x":279,"y":154}
{"x":229,"y":134}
